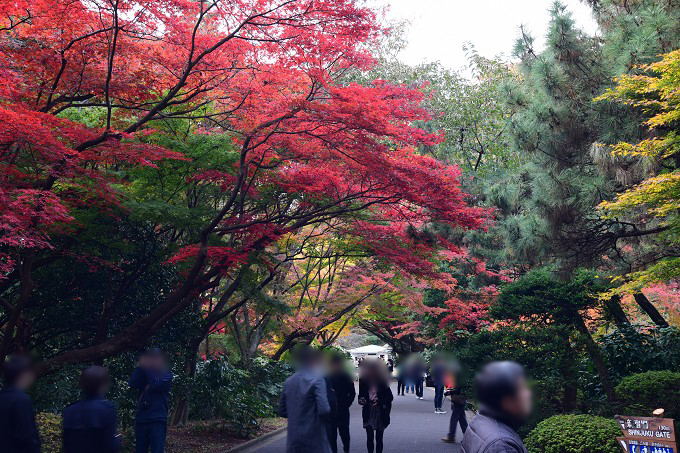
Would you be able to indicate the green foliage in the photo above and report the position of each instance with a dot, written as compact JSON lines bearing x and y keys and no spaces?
{"x":632,"y":350}
{"x":49,"y":428}
{"x":546,"y":352}
{"x":542,"y":294}
{"x":642,"y":393}
{"x":219,"y":390}
{"x":574,"y":434}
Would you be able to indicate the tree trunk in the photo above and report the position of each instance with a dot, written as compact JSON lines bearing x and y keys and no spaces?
{"x":16,"y":313}
{"x":596,"y":356}
{"x":180,"y":412}
{"x":568,"y":370}
{"x":650,"y":309}
{"x":618,"y":315}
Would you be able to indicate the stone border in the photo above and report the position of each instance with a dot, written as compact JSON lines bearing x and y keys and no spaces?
{"x":253,"y":442}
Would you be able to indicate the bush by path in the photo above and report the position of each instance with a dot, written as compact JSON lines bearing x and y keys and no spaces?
{"x":642,"y":393}
{"x":574,"y":434}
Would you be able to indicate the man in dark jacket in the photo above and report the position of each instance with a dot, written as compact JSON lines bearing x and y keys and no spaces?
{"x":90,"y":424}
{"x":343,"y":386}
{"x":18,"y":431}
{"x":153,"y":380}
{"x":304,"y":402}
{"x":505,"y":403}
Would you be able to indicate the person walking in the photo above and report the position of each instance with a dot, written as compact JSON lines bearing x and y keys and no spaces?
{"x":343,"y":386}
{"x":304,"y":402}
{"x":438,"y":379}
{"x":90,"y":424}
{"x":401,"y":378}
{"x":505,"y":403}
{"x":457,"y":413}
{"x":376,"y":398}
{"x":153,"y":380}
{"x":18,"y":431}
{"x":419,"y":376}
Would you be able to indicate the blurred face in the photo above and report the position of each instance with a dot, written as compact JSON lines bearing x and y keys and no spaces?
{"x":337,"y":367}
{"x":521,"y":404}
{"x":155,"y":362}
{"x":25,"y":380}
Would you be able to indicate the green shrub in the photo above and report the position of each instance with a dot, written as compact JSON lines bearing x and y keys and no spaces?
{"x":49,"y":427}
{"x":574,"y":434}
{"x":641,"y":393}
{"x":237,"y":397}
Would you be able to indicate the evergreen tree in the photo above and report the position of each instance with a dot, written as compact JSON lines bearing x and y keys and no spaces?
{"x":554,"y":125}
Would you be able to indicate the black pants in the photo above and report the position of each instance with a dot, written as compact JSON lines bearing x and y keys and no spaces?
{"x":400,"y":386}
{"x":438,"y":396}
{"x":339,"y":426}
{"x":419,"y":387}
{"x":378,"y":440}
{"x":457,"y":416}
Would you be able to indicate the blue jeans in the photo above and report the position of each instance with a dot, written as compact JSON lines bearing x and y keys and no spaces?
{"x":150,"y":435}
{"x":438,"y":396}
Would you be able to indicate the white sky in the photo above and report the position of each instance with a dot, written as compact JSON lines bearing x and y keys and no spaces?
{"x":439,"y":28}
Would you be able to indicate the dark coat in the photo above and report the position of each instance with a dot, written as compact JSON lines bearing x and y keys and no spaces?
{"x":153,"y":396}
{"x":343,"y":384}
{"x":90,"y":426}
{"x":18,"y":431}
{"x":385,"y":399}
{"x":304,"y":402}
{"x":332,"y":399}
{"x":491,"y":432}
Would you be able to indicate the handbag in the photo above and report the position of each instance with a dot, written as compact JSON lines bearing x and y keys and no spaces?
{"x":429,"y":382}
{"x":458,"y":399}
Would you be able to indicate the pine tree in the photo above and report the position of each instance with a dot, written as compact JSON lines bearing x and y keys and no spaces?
{"x":554,"y":125}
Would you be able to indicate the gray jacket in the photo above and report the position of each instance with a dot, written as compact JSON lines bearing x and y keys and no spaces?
{"x":304,"y":402}
{"x":490,"y":433}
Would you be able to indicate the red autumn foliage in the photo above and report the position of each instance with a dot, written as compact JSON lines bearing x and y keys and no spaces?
{"x":268,"y":72}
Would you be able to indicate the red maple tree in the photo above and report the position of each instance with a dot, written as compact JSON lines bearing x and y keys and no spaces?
{"x":269,"y":73}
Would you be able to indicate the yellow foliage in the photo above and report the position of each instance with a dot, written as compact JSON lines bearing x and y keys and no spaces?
{"x":656,"y":93}
{"x":660,"y":196}
{"x":49,"y":428}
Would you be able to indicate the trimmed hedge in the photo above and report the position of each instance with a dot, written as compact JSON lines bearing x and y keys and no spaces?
{"x":641,"y":393}
{"x":574,"y":434}
{"x":49,"y":428}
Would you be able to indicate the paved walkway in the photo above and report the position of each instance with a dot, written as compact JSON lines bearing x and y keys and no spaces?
{"x":415,"y":428}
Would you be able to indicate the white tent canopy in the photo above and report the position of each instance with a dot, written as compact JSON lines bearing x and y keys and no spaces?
{"x":371,"y":351}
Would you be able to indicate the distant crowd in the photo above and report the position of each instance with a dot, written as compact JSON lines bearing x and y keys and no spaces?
{"x":317,"y":398}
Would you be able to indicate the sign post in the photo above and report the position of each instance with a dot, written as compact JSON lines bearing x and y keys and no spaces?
{"x":647,"y":434}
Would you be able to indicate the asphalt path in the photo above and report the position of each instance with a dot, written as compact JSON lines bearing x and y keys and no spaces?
{"x":414,"y":428}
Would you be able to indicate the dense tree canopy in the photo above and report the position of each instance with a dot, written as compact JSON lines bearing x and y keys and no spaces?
{"x":230,"y":178}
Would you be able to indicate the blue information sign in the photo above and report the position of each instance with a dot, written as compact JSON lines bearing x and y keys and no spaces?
{"x":648,"y":449}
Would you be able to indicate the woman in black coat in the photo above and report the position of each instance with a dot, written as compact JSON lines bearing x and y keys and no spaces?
{"x":376,"y":398}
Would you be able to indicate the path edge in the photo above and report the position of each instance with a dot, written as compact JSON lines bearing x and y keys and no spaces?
{"x":253,"y":442}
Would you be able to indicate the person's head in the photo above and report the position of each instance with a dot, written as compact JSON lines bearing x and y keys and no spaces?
{"x":337,"y":363}
{"x":17,"y":371}
{"x":154,"y":359}
{"x":307,"y":357}
{"x":375,"y":371}
{"x":95,"y":381}
{"x":502,"y":386}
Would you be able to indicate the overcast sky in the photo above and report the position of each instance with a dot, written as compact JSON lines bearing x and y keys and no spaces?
{"x":439,"y":28}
